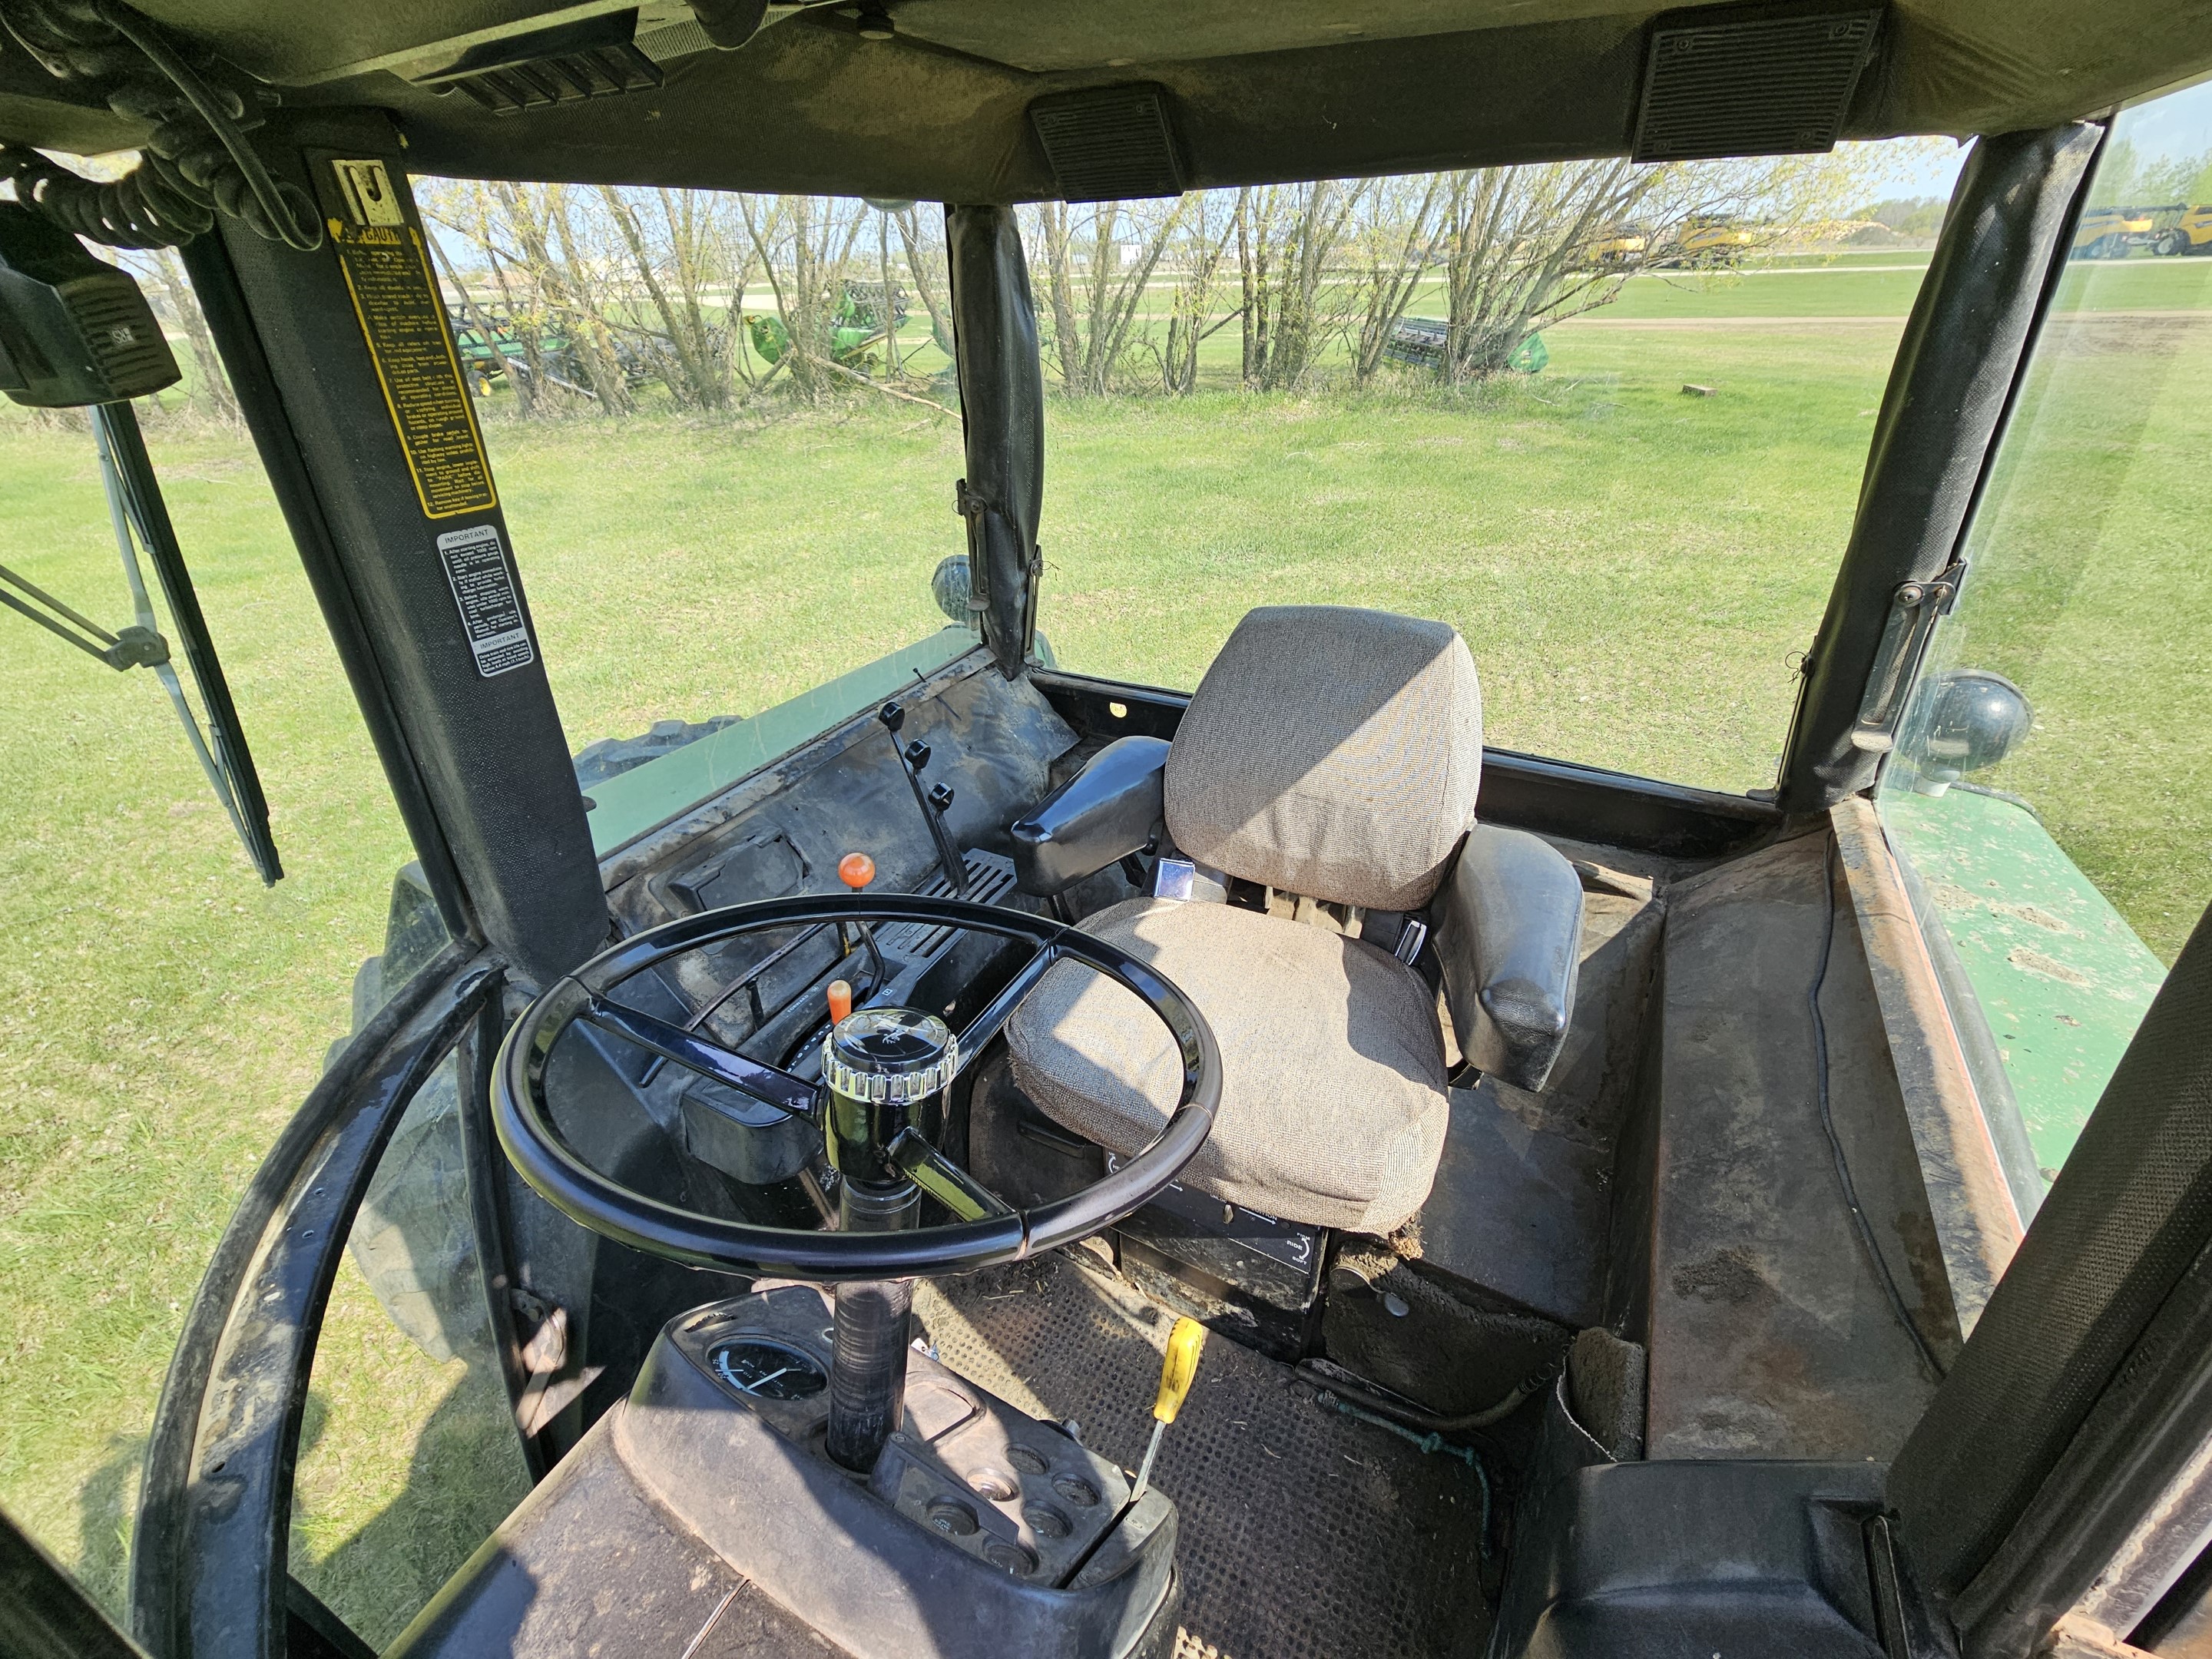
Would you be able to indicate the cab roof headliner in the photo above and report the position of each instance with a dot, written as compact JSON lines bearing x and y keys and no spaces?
{"x":1258,"y":90}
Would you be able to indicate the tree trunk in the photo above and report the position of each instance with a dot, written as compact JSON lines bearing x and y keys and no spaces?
{"x":470,"y":309}
{"x":210,"y":386}
{"x":689,"y":386}
{"x":924,"y":275}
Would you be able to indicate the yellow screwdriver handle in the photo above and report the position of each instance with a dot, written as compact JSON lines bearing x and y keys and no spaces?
{"x":1180,"y":1370}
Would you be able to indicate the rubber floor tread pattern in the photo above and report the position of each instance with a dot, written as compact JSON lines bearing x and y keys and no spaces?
{"x":1305,"y":1534}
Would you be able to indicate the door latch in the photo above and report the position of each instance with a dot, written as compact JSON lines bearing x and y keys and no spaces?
{"x":1914,"y":609}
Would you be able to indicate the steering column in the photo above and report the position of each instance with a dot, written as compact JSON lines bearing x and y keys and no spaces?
{"x":880,"y":1067}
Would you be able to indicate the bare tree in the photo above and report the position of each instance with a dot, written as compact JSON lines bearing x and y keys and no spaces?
{"x":557,"y":268}
{"x":1209,"y":219}
{"x":499,"y":221}
{"x":1097,"y":262}
{"x":1394,"y":248}
{"x":927,"y":266}
{"x":1525,"y":247}
{"x":1287,"y":237}
{"x":673,"y":257}
{"x":806,"y":244}
{"x":1517,"y":256}
{"x":210,"y":389}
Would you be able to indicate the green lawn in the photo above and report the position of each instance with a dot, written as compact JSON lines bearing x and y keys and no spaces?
{"x":1634,"y":567}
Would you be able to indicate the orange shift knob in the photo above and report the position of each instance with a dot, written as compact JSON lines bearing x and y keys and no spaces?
{"x":856,"y":870}
{"x":840,"y":1000}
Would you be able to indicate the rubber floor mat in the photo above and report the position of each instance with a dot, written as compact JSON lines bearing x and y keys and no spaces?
{"x":1305,"y":1534}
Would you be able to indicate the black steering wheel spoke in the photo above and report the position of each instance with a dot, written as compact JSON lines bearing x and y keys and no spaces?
{"x":771,"y":1087}
{"x":984,"y":1229}
{"x":987,"y":1024}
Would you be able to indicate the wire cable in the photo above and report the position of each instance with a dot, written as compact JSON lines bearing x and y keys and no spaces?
{"x":1828,"y":1122}
{"x":196,"y":162}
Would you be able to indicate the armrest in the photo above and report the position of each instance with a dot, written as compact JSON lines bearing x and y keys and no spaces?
{"x":1509,"y":936}
{"x":1110,"y":809}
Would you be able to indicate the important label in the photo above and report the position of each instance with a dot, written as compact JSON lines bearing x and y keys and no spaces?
{"x":387,"y":272}
{"x":491,"y":612}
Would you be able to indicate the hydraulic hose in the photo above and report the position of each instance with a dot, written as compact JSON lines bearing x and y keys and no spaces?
{"x":1413,"y":1417}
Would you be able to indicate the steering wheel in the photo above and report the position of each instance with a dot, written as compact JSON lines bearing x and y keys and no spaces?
{"x":986,"y":1231}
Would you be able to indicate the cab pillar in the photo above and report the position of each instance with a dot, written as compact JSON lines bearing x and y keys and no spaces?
{"x":346,"y":368}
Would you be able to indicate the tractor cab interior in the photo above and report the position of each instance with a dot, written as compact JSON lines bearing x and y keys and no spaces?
{"x":1036,"y":1163}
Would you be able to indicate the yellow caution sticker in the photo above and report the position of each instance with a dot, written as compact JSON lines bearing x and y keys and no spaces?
{"x":387,"y":272}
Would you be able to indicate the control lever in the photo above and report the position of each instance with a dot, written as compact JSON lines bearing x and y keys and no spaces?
{"x":856,"y":871}
{"x":934,"y":802}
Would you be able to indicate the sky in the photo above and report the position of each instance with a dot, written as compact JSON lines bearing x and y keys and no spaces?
{"x":1934,"y":175}
{"x":2179,"y":124}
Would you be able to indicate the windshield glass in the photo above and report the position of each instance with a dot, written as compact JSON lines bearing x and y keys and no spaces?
{"x":726,"y":433}
{"x":2052,"y":786}
{"x":1608,"y":420}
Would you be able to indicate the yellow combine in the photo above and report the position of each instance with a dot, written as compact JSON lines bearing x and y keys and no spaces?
{"x":2108,"y":233}
{"x":2191,"y":233}
{"x":1711,"y":242}
{"x":1619,"y":244}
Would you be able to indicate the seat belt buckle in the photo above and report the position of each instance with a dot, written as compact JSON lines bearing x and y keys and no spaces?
{"x":1410,"y":938}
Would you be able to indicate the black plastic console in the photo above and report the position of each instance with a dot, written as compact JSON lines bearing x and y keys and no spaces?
{"x":1510,"y":942}
{"x":980,"y":1530}
{"x":1110,"y":809}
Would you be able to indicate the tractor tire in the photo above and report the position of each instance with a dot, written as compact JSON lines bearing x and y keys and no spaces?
{"x":2172,"y":243}
{"x":413,"y":1239}
{"x":610,"y":757}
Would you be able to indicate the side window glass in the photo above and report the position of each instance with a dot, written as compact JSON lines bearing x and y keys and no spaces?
{"x":757,"y":393}
{"x":2052,"y":786}
{"x":409,"y":1450}
{"x":165,"y":1010}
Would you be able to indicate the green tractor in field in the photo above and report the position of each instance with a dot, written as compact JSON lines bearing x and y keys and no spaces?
{"x":856,"y":326}
{"x":984,"y":1159}
{"x":486,"y":357}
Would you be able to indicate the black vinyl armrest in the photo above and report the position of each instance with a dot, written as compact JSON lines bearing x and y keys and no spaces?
{"x":1509,"y":936}
{"x":1112,"y":808}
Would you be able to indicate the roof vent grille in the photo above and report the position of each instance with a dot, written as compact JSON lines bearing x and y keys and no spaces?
{"x":594,"y":58}
{"x":1113,"y":143}
{"x":1770,"y":82}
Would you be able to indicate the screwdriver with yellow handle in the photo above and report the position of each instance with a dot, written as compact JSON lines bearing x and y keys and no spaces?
{"x":1177,"y":1372}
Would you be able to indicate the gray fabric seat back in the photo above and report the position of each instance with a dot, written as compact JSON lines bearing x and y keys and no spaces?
{"x":1331,"y":752}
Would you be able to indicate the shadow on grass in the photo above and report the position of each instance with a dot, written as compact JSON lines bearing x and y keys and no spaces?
{"x":462,"y":1481}
{"x":106,"y":1507}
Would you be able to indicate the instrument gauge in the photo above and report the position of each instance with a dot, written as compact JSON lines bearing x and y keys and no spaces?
{"x":760,"y":1369}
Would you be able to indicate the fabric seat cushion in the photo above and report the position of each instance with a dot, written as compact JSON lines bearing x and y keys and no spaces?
{"x":1333,"y":752}
{"x":1332,"y":1098}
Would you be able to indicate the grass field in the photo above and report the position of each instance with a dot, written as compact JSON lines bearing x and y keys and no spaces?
{"x":1634,"y":568}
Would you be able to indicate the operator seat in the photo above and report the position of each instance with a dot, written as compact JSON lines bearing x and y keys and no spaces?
{"x":1333,"y":754}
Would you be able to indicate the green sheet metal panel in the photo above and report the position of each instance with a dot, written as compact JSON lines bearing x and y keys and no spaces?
{"x":2062,"y":978}
{"x":643,"y":799}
